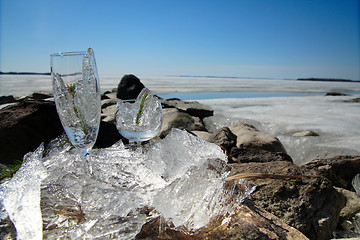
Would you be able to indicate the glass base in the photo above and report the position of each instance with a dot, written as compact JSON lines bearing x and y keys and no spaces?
{"x":85,"y":152}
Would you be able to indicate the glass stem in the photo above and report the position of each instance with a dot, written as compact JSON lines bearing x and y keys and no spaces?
{"x":133,"y":145}
{"x":85,"y":158}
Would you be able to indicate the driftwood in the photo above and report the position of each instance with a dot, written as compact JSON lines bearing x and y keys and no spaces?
{"x":252,"y":176}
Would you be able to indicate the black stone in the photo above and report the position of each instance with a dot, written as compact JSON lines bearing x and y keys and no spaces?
{"x":24,"y":126}
{"x":7,"y":99}
{"x":129,"y":87}
{"x":108,"y":135}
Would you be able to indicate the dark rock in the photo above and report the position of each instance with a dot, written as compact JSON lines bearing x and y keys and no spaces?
{"x":107,"y":102}
{"x":7,"y":99}
{"x":129,"y":87}
{"x":354,"y":100}
{"x":340,"y":170}
{"x":170,"y":99}
{"x":104,"y":95}
{"x":108,"y":135}
{"x":348,"y":213}
{"x":306,"y":202}
{"x":7,"y":229}
{"x":306,"y":133}
{"x":336,"y":94}
{"x":249,"y":137}
{"x":172,"y":118}
{"x":41,"y":95}
{"x":110,"y":95}
{"x":193,"y":108}
{"x":246,"y":155}
{"x":344,"y":235}
{"x":24,"y":126}
{"x":224,"y":137}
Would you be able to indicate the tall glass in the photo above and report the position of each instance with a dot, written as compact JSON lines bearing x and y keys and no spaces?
{"x":77,"y":96}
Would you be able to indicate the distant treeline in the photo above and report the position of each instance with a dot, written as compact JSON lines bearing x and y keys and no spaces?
{"x":25,"y":73}
{"x":326,"y":79}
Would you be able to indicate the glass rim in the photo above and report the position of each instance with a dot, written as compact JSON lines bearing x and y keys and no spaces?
{"x":73,"y":53}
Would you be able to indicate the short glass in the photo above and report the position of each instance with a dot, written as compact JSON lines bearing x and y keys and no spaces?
{"x":140,"y":119}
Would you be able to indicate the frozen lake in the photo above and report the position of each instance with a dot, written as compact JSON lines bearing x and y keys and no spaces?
{"x":19,"y":85}
{"x":337,"y":122}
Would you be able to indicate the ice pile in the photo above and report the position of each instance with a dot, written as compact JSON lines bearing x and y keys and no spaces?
{"x":181,"y":178}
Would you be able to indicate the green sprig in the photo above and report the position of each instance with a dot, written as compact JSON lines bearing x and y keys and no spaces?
{"x":141,"y":109}
{"x":72,"y":90}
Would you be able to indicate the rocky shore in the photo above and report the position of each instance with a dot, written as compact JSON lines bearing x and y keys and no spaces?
{"x":313,"y":201}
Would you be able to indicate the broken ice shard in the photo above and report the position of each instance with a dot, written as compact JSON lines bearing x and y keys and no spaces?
{"x":356,"y":184}
{"x":21,"y":196}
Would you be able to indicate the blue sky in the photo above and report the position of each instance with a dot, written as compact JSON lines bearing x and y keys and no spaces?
{"x":252,"y":38}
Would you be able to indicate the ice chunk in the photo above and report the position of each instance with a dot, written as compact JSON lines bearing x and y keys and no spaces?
{"x":173,"y":156}
{"x":21,"y":196}
{"x":200,"y":196}
{"x":194,"y":171}
{"x":356,"y":184}
{"x":107,"y":204}
{"x":181,"y":177}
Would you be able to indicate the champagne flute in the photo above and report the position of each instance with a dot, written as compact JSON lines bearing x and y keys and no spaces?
{"x":77,"y":96}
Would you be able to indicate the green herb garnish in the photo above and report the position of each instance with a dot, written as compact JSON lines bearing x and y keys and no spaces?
{"x":72,"y":90}
{"x":144,"y":98}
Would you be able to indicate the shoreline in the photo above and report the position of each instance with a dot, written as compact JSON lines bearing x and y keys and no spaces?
{"x":20,"y":85}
